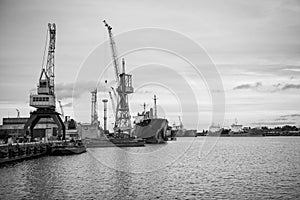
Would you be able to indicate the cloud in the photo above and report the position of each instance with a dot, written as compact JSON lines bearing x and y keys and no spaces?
{"x":71,"y":90}
{"x":292,"y":68}
{"x":248,"y":86}
{"x":258,"y":86}
{"x":290,"y":86}
{"x":292,"y":115}
{"x":272,"y":123}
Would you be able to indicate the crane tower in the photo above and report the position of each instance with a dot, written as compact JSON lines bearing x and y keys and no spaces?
{"x":94,"y":113}
{"x":124,"y":82}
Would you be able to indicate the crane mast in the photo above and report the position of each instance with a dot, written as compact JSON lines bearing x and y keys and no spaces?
{"x":124,"y":81}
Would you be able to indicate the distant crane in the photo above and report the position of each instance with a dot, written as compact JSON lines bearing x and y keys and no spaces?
{"x":18,"y":113}
{"x":61,"y":109}
{"x":180,"y":122}
{"x":124,"y":82}
{"x":113,"y":105}
{"x":94,"y":107}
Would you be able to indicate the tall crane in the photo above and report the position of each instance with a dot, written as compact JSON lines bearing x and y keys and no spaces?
{"x":44,"y":100}
{"x":124,"y":81}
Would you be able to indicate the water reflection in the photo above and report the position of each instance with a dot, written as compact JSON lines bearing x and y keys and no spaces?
{"x":235,"y":168}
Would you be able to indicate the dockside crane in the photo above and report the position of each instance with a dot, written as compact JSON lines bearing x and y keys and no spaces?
{"x":44,"y":100}
{"x":124,"y":87}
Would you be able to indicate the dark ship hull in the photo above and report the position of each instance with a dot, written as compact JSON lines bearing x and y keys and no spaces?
{"x":152,"y":130}
{"x":67,"y":150}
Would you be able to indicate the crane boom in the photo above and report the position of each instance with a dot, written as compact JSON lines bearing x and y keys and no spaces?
{"x":114,"y":51}
{"x":50,"y":58}
{"x":114,"y":91}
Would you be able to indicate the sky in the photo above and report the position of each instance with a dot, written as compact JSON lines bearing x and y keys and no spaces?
{"x":254,"y":46}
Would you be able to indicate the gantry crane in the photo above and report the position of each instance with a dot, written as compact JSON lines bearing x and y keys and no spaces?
{"x":124,"y":82}
{"x":44,"y":100}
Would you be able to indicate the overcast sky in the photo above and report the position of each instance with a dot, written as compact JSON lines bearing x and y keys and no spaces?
{"x":254,"y":44}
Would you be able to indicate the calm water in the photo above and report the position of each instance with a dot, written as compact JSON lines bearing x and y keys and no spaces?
{"x":190,"y":168}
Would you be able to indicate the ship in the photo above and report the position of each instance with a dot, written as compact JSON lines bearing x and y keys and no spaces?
{"x":237,"y":130}
{"x":73,"y":143}
{"x":152,"y":130}
{"x":68,"y":148}
{"x":150,"y":127}
{"x":182,"y":132}
{"x":217,"y":131}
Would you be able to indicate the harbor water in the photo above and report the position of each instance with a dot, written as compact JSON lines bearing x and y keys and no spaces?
{"x":189,"y":168}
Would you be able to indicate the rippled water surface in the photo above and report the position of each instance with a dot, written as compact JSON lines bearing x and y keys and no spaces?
{"x":189,"y":168}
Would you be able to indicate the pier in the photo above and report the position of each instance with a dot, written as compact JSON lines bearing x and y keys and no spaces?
{"x":29,"y":150}
{"x":21,"y":151}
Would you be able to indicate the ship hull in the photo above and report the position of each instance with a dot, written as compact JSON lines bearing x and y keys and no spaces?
{"x":152,"y":130}
{"x":186,"y":133}
{"x":67,"y":150}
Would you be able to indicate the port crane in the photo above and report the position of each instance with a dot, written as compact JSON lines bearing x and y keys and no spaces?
{"x":180,"y":122}
{"x":124,"y":87}
{"x":18,"y":113}
{"x":44,"y":100}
